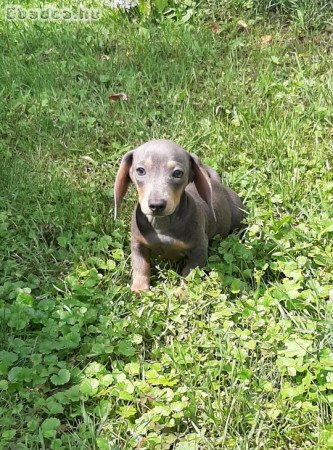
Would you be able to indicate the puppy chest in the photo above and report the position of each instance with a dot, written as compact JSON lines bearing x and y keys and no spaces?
{"x":167,"y":246}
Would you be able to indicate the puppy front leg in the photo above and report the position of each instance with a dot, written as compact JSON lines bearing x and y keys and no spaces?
{"x":140,"y":255}
{"x":197,"y":257}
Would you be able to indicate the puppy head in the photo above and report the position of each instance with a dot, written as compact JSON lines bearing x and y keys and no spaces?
{"x":160,"y":170}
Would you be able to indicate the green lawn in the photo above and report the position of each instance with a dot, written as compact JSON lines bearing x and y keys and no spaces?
{"x":247,"y":361}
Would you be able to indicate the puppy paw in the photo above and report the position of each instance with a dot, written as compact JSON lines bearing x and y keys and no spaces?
{"x":182,"y":291}
{"x":139,"y":285}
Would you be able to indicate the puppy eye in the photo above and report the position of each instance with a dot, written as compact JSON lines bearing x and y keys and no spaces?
{"x":177,"y":173}
{"x":140,"y":171}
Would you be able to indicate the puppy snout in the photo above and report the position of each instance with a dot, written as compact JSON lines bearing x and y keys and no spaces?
{"x":157,"y":206}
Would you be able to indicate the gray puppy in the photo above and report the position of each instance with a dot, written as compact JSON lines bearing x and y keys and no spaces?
{"x":182,"y":204}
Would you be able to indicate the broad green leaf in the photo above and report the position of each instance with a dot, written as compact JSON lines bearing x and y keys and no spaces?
{"x":94,"y":368}
{"x":54,"y":407}
{"x":273,"y":413}
{"x":275,"y":59}
{"x":133,"y":368}
{"x":186,"y":446}
{"x":162,"y":410}
{"x":126,"y":348}
{"x":62,"y":377}
{"x":89,"y":386}
{"x":244,"y":374}
{"x":63,"y":241}
{"x":126,"y":389}
{"x":24,"y":298}
{"x":127,"y":411}
{"x":49,"y":427}
{"x":103,"y":443}
{"x":18,"y":321}
{"x":106,"y":380}
{"x":226,"y":312}
{"x":15,"y":374}
{"x":161,"y":5}
{"x":108,"y":265}
{"x":178,"y":406}
{"x":8,"y":357}
{"x":289,"y":391}
{"x":236,"y":285}
{"x":144,"y":7}
{"x":297,"y":347}
{"x":3,"y":385}
{"x":8,"y":434}
{"x":154,"y":378}
{"x":36,"y":359}
{"x":73,"y":393}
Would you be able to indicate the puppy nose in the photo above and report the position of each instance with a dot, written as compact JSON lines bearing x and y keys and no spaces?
{"x":157,"y":206}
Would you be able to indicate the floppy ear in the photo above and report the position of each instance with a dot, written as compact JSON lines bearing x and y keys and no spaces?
{"x":202,"y":182}
{"x":122,"y":181}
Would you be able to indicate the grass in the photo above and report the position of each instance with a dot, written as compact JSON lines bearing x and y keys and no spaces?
{"x":247,"y":361}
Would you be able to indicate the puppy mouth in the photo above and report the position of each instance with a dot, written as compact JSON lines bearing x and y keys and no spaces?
{"x":158,"y":214}
{"x":151,"y":214}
